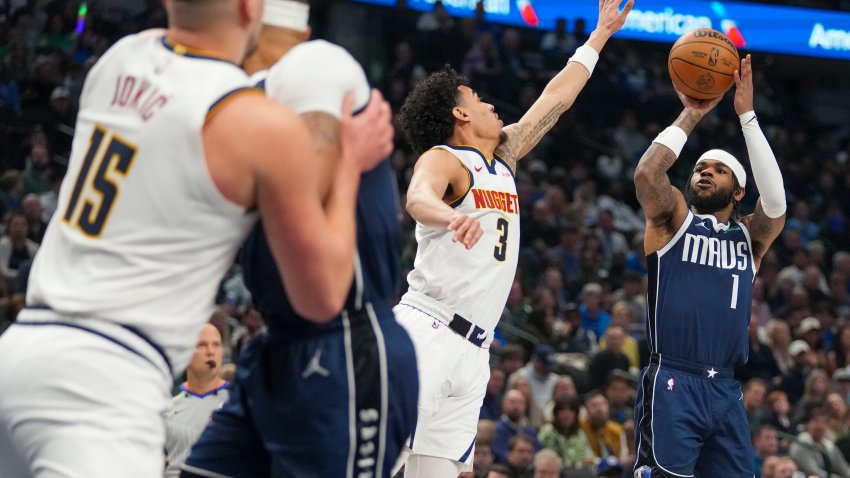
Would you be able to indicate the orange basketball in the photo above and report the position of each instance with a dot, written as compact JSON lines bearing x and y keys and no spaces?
{"x":702,"y":63}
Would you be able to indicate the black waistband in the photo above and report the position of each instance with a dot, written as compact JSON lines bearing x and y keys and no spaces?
{"x":692,"y":368}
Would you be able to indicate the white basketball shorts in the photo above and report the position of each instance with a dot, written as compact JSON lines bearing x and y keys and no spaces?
{"x":453,"y":376}
{"x":78,"y":405}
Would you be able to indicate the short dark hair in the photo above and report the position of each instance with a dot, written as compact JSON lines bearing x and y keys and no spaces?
{"x":512,"y":443}
{"x":426,"y":115}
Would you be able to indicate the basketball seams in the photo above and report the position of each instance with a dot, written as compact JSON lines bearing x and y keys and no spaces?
{"x":719,"y":45}
{"x":670,"y":62}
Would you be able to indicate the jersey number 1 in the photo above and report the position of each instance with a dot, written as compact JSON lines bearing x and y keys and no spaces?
{"x":97,"y":170}
{"x":502,"y":246}
{"x":734,"y":304}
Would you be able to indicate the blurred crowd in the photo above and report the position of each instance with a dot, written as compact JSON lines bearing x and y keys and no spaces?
{"x":571,"y":340}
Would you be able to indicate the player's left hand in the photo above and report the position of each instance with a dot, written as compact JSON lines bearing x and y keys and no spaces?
{"x":368,"y":136}
{"x":744,"y":86}
{"x":611,"y":19}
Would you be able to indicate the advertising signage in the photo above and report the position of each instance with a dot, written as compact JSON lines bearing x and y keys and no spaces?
{"x":752,"y":27}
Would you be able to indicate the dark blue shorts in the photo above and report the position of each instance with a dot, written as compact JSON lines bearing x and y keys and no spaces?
{"x":336,"y":404}
{"x":691,"y":424}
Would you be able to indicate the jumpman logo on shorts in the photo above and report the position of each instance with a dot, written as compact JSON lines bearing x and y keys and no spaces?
{"x":315,"y":367}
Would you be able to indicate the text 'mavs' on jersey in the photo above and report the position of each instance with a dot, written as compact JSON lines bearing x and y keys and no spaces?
{"x":473,"y":283}
{"x":700,"y":293}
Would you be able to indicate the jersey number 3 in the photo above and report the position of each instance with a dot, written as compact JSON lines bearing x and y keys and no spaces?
{"x":99,"y":170}
{"x":502,"y":246}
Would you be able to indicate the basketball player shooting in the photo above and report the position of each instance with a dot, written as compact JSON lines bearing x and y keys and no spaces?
{"x":702,"y":263}
{"x":463,"y":197}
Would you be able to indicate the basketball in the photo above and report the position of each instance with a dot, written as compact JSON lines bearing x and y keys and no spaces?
{"x":702,"y":63}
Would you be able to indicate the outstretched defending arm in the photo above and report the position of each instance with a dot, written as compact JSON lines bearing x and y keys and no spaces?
{"x":768,"y":219}
{"x":663,"y":204}
{"x":563,"y":89}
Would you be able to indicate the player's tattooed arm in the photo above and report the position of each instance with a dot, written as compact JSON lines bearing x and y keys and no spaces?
{"x":763,"y":230}
{"x":325,"y":131}
{"x":520,"y":138}
{"x":664,"y":206}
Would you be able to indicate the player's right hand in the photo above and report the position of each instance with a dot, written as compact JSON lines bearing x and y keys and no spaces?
{"x":699,"y":106}
{"x":368,"y":136}
{"x":467,"y":230}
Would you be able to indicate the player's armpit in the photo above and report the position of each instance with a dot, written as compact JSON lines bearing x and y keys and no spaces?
{"x":325,"y":130}
{"x":439,"y":178}
{"x":763,"y":230}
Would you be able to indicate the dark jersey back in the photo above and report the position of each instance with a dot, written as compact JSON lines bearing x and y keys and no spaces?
{"x":379,"y":247}
{"x":700,"y":293}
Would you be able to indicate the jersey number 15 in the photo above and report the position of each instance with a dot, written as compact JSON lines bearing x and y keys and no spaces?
{"x":98,"y":170}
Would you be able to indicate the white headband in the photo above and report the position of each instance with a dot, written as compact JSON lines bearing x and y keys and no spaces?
{"x":286,"y":14}
{"x":730,"y":161}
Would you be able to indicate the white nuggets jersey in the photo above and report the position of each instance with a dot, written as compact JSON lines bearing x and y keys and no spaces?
{"x":473,"y":283}
{"x":141,"y":235}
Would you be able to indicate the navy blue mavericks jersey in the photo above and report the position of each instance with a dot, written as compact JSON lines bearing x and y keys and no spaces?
{"x":700,"y":293}
{"x":379,"y":247}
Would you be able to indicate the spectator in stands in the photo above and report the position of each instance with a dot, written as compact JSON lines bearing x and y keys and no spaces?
{"x":491,"y":405}
{"x":577,"y":339}
{"x":779,"y":336}
{"x":593,"y":317}
{"x":499,"y":471}
{"x":547,"y":464}
{"x":521,"y":449}
{"x":512,"y":423}
{"x":839,"y":355}
{"x":760,"y":363}
{"x":836,"y":411}
{"x":540,"y":374}
{"x":606,"y":437}
{"x":33,"y":212}
{"x":765,"y":444}
{"x":608,"y":360}
{"x":812,"y":450}
{"x":793,"y":382}
{"x":37,"y":175}
{"x":754,"y":393}
{"x":564,"y":436}
{"x":15,"y":247}
{"x":564,"y":389}
{"x":621,"y":316}
{"x":778,"y":413}
{"x":814,"y":395}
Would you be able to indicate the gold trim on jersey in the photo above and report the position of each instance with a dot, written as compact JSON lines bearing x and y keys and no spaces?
{"x":216,"y":107}
{"x":454,"y":202}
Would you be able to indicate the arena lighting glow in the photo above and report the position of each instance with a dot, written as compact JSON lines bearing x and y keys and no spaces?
{"x":750,"y":26}
{"x":81,"y":18}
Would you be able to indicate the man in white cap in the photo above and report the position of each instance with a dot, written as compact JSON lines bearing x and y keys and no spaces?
{"x":702,"y":261}
{"x":337,"y":399}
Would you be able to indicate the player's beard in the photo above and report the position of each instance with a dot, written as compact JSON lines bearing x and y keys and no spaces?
{"x":711,"y":203}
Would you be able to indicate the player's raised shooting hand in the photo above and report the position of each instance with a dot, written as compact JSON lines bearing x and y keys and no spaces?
{"x":367,"y":137}
{"x":611,"y":19}
{"x":744,"y":86}
{"x":467,"y":230}
{"x":701,"y":107}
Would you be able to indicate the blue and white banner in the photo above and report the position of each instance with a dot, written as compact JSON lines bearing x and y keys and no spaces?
{"x":752,"y":27}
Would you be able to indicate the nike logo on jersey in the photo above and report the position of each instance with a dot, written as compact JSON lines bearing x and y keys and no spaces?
{"x":702,"y":224}
{"x":486,"y":199}
{"x":314,"y":367}
{"x":478,"y":169}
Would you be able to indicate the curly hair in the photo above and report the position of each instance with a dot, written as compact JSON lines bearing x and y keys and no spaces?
{"x":426,"y":116}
